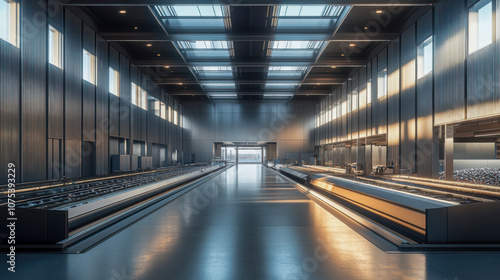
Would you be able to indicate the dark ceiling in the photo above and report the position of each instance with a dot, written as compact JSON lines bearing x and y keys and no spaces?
{"x":348,"y":37}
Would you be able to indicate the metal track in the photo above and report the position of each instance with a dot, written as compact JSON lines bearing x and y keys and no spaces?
{"x":56,"y":196}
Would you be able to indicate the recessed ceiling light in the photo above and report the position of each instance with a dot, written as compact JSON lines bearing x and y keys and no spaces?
{"x":334,"y":67}
{"x":136,"y":28}
{"x":366,"y":27}
{"x":379,"y":12}
{"x":167,"y":67}
{"x":342,"y":54}
{"x":158,"y":54}
{"x":122,"y":12}
{"x":149,"y":45}
{"x":352,"y":45}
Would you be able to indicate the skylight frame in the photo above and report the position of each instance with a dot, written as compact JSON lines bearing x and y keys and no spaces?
{"x":307,"y":17}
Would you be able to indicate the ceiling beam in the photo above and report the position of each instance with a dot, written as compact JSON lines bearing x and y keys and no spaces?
{"x":161,"y":37}
{"x":300,"y":92}
{"x":312,"y":81}
{"x":339,"y":62}
{"x":377,"y":3}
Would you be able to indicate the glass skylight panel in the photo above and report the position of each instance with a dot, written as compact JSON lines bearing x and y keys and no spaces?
{"x":300,"y":49}
{"x":317,"y":17}
{"x":278,"y":95}
{"x":214,"y":71}
{"x":294,"y":45}
{"x":289,"y":72}
{"x":194,"y":17}
{"x":282,"y":86}
{"x":287,"y":68}
{"x":207,"y":45}
{"x":219,"y":86}
{"x":212,"y":68}
{"x":206,"y":49}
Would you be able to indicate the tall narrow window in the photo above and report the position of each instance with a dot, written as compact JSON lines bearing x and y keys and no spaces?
{"x":134,"y":89}
{"x":139,"y":96}
{"x":480,"y":25}
{"x":144,"y":99}
{"x":156,"y":107}
{"x":355,"y":100}
{"x":9,"y":21}
{"x":169,"y":114}
{"x":88,"y":67}
{"x":114,"y":82}
{"x":55,"y":47}
{"x":369,"y":92}
{"x":382,"y":83}
{"x":175,"y":118}
{"x":163,"y":111}
{"x":425,"y":60}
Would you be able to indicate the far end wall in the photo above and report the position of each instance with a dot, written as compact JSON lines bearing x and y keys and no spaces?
{"x":289,"y":124}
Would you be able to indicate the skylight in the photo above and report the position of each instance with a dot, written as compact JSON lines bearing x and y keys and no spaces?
{"x":179,"y":18}
{"x":214,"y":71}
{"x":206,"y":49}
{"x":309,"y":10}
{"x":208,"y":45}
{"x":219,"y":86}
{"x":287,"y":68}
{"x":290,"y":45}
{"x":212,"y":68}
{"x":286,"y":72}
{"x":282,"y":86}
{"x":194,"y":10}
{"x":310,"y":17}
{"x":297,"y":49}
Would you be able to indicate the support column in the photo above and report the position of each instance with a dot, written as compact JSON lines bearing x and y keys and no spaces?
{"x":368,"y":156}
{"x":435,"y":153}
{"x":448,"y":152}
{"x":360,"y":155}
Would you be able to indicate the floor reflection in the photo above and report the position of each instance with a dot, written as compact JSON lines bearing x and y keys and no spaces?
{"x":247,"y":223}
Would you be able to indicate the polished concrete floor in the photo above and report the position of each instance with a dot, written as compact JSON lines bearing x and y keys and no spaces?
{"x":247,"y":223}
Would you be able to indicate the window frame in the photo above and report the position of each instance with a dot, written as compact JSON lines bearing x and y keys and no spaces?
{"x":92,"y":67}
{"x":12,"y":23}
{"x":116,"y":82}
{"x":474,"y":24}
{"x":422,"y":58}
{"x":55,"y":47}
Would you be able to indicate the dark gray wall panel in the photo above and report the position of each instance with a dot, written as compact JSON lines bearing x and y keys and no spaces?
{"x":88,"y":97}
{"x":449,"y":69}
{"x":425,"y":147}
{"x":9,"y":109}
{"x":483,"y":96}
{"x":369,"y":97}
{"x":73,"y":76}
{"x":33,"y":92}
{"x":114,"y":115}
{"x":382,"y":102}
{"x":72,"y":158}
{"x":374,"y":104}
{"x":124,"y":97}
{"x":425,"y":27}
{"x":393,"y":96}
{"x":355,"y":113}
{"x":362,"y":102}
{"x":55,"y":102}
{"x":408,"y":99}
{"x":344,"y":112}
{"x":102,"y":101}
{"x":88,"y":38}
